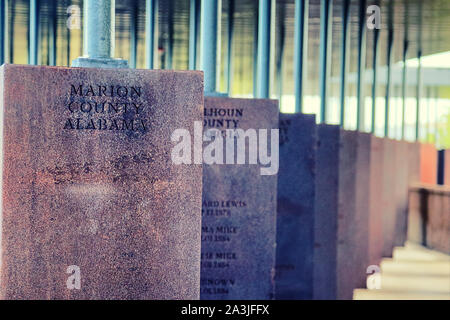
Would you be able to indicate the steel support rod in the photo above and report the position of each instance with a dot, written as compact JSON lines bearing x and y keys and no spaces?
{"x":193,"y":32}
{"x":52,"y":32}
{"x":255,"y":52}
{"x":326,"y":11}
{"x":361,"y":66}
{"x":230,"y":32}
{"x":405,"y":53}
{"x":418,"y":93}
{"x":300,"y":49}
{"x":150,"y":9}
{"x":344,"y":57}
{"x":133,"y":35}
{"x":170,"y":35}
{"x":263,"y":61}
{"x":33,"y":46}
{"x":209,"y":21}
{"x":376,"y":36}
{"x":388,"y":81}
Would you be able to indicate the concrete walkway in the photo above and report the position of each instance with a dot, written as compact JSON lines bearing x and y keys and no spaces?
{"x":413,"y":273}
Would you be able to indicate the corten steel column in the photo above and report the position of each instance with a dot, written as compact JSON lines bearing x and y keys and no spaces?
{"x":374,"y":78}
{"x":388,"y":81}
{"x":418,"y":93}
{"x":209,"y":20}
{"x":405,"y":53}
{"x":33,"y":44}
{"x":263,"y":61}
{"x":300,"y":49}
{"x":344,"y":57}
{"x":133,"y":34}
{"x":150,"y":9}
{"x":326,"y":17}
{"x":230,"y":32}
{"x":98,"y":36}
{"x":193,"y":31}
{"x":361,"y":65}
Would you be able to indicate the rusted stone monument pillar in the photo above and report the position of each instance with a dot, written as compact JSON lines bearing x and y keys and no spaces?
{"x":92,"y":205}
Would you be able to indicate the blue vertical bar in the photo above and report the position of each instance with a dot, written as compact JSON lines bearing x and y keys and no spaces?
{"x":388,"y":81}
{"x":344,"y":57}
{"x":229,"y":66}
{"x":326,"y":10}
{"x":263,"y":64}
{"x":405,"y":53}
{"x":193,"y":31}
{"x":170,"y":35}
{"x":374,"y":78}
{"x":361,"y":65}
{"x":418,"y":93}
{"x":255,"y":51}
{"x":209,"y":21}
{"x":33,"y":32}
{"x":2,"y":31}
{"x":133,"y":35}
{"x":150,"y":7}
{"x":300,"y":49}
{"x":52,"y":36}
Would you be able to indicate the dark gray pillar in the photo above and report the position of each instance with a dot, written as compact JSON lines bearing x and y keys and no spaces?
{"x":295,"y":210}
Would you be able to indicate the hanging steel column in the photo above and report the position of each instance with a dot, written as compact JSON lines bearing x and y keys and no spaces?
{"x":405,"y":53}
{"x":388,"y":81}
{"x":361,"y":65}
{"x":230,"y":32}
{"x":255,"y":51}
{"x":326,"y":16}
{"x":133,"y":34}
{"x":263,"y":66}
{"x":344,"y":57}
{"x":209,"y":21}
{"x":3,"y":29}
{"x":418,"y":93}
{"x":33,"y":45}
{"x":170,"y":35}
{"x":376,"y":36}
{"x":52,"y":35}
{"x":300,"y":49}
{"x":150,"y":9}
{"x":193,"y":31}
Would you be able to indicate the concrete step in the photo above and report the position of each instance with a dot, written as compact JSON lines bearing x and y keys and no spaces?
{"x":415,"y":267}
{"x":381,"y":294}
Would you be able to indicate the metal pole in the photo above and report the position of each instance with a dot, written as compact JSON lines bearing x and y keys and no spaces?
{"x":33,"y":32}
{"x":229,"y":66}
{"x":326,"y":11}
{"x":193,"y":31}
{"x":263,"y":61}
{"x":344,"y":57}
{"x":150,"y":6}
{"x":405,"y":53}
{"x":279,"y":62}
{"x":361,"y":66}
{"x":300,"y":49}
{"x":418,"y":93}
{"x":133,"y":34}
{"x":209,"y":20}
{"x":388,"y":81}
{"x":52,"y":36}
{"x":3,"y":29}
{"x":374,"y":79}
{"x":99,"y":36}
{"x":255,"y":52}
{"x":170,"y":35}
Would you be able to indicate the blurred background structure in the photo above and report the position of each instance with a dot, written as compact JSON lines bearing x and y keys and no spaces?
{"x":407,"y":97}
